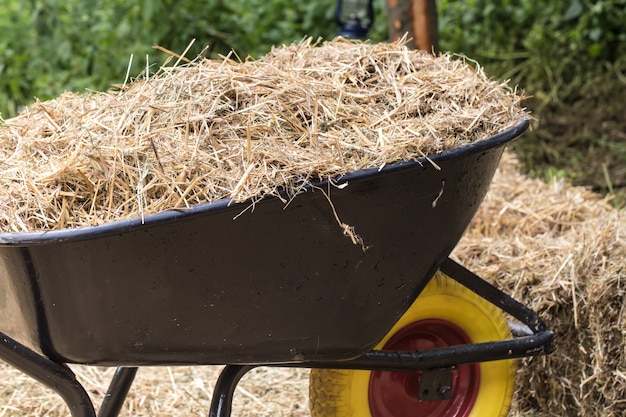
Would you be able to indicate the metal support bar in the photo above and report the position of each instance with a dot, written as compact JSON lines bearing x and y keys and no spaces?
{"x":222,"y":401}
{"x":490,"y":293}
{"x":53,"y":375}
{"x":117,"y":392}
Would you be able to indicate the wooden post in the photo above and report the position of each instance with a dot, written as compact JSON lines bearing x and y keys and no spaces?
{"x":418,"y":18}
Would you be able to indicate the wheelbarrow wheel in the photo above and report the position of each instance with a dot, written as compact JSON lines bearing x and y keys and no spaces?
{"x":445,"y":314}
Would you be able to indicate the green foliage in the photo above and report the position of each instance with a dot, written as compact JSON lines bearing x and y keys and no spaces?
{"x":49,"y":46}
{"x":570,"y":56}
{"x":550,"y":48}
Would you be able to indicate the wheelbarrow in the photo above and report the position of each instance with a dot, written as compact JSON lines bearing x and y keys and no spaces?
{"x":390,"y":326}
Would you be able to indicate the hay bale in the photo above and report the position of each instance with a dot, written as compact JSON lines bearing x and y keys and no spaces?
{"x":561,"y":250}
{"x":214,"y":129}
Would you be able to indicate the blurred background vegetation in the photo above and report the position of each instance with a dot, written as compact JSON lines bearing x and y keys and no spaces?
{"x":568,"y":55}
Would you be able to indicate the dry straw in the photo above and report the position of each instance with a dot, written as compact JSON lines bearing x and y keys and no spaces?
{"x":561,"y":250}
{"x":215,"y":129}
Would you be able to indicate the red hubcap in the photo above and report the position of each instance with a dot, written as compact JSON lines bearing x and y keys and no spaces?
{"x":395,"y":394}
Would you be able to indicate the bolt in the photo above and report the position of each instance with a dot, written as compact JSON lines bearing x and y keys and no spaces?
{"x":444,"y":392}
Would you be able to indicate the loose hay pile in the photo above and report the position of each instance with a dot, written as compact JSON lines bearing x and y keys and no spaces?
{"x":211,"y":129}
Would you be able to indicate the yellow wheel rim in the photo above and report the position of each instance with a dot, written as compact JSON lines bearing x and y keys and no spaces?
{"x":338,"y":393}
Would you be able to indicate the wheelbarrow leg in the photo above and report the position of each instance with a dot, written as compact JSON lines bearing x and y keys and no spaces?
{"x":116,"y":394}
{"x":222,"y":401}
{"x":55,"y":376}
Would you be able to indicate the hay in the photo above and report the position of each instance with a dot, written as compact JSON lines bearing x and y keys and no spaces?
{"x":164,"y":392}
{"x":558,"y":248}
{"x":210,"y":130}
{"x":562,"y":251}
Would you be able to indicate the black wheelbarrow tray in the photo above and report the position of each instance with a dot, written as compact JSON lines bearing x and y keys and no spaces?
{"x":275,"y":285}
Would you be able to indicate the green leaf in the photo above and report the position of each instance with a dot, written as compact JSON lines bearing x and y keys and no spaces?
{"x":595,"y":50}
{"x":574,"y":10}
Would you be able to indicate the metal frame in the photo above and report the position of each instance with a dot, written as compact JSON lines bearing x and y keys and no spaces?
{"x":536,"y":341}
